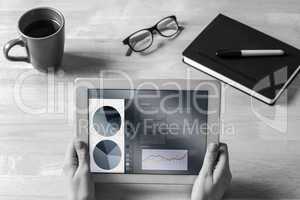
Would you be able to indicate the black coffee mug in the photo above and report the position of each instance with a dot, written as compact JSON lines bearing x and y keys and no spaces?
{"x":42,"y":34}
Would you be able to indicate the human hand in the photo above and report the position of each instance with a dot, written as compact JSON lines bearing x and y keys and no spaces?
{"x":215,"y":176}
{"x":76,"y":168}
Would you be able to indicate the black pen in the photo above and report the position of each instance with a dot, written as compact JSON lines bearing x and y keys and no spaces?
{"x":249,"y":52}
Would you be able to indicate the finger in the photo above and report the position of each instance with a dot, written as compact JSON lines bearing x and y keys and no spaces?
{"x":222,"y":165}
{"x":71,"y":160}
{"x":210,"y":159}
{"x":82,"y":153}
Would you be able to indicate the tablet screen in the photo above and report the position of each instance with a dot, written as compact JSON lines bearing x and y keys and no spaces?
{"x":163,"y":131}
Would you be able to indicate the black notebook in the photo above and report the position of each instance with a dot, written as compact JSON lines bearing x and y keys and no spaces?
{"x":262,"y":77}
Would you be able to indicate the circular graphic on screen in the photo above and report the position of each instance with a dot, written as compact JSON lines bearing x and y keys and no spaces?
{"x":107,"y":121}
{"x":107,"y":154}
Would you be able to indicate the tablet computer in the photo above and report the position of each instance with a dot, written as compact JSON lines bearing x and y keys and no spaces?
{"x":147,"y":131}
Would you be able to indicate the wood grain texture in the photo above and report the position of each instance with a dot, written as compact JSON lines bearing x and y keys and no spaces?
{"x":264,"y":154}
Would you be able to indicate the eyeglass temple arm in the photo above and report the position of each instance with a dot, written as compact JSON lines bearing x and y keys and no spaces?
{"x":128,"y":52}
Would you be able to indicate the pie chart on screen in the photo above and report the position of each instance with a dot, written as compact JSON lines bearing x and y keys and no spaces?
{"x":107,"y":121}
{"x":107,"y":154}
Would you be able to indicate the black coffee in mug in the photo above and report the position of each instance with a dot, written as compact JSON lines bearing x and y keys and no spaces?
{"x":41,"y":28}
{"x":43,"y":36}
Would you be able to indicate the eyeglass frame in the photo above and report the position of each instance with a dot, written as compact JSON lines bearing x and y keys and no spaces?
{"x":151,"y":30}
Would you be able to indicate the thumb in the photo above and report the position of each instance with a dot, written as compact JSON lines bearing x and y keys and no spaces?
{"x":82,"y":153}
{"x":210,"y":159}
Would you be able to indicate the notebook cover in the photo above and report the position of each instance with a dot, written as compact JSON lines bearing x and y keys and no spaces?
{"x":265,"y":75}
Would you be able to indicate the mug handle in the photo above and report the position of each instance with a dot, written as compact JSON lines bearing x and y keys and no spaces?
{"x":9,"y":45}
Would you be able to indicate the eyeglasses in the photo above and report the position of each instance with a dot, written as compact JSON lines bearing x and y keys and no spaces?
{"x":143,"y":39}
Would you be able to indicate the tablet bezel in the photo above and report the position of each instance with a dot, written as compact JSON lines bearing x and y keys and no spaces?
{"x":82,"y":129}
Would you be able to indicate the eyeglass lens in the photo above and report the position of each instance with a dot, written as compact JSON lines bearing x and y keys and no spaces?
{"x":167,"y":27}
{"x":140,"y":40}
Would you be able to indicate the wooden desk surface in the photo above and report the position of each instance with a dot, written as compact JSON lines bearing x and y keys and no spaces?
{"x":264,"y":141}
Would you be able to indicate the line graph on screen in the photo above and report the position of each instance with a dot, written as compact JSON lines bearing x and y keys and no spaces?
{"x":164,"y":159}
